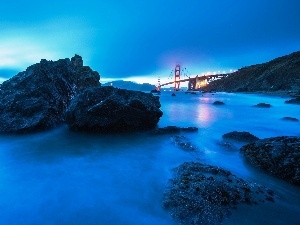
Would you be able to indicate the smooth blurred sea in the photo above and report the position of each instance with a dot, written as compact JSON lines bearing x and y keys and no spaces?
{"x":62,"y":177}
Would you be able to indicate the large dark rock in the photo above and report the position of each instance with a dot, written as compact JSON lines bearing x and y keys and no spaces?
{"x":109,"y":109}
{"x":279,"y":156}
{"x":37,"y":98}
{"x":204,"y":194}
{"x":240,"y":136}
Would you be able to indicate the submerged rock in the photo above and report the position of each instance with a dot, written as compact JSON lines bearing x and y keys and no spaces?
{"x":262,"y":105}
{"x":173,"y":129}
{"x":184,"y":143}
{"x":109,"y":109}
{"x":37,"y":98}
{"x":218,"y":103}
{"x":240,"y":136}
{"x":204,"y":194}
{"x":279,"y":156}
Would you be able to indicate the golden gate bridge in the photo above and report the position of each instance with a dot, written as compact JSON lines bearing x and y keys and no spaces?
{"x":194,"y":83}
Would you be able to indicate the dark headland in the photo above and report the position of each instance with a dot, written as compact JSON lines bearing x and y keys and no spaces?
{"x":280,"y":75}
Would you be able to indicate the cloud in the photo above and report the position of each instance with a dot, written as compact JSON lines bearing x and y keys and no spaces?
{"x":22,"y":46}
{"x":19,"y":52}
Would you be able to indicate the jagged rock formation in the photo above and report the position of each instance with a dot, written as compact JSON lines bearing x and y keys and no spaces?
{"x":204,"y":194}
{"x":109,"y":109}
{"x":280,"y":74}
{"x":279,"y":156}
{"x":37,"y":98}
{"x":240,"y":136}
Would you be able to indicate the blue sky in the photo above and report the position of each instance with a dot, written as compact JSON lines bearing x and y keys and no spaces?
{"x":141,"y":40}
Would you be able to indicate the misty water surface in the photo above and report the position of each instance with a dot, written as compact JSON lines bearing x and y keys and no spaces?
{"x":62,"y":177}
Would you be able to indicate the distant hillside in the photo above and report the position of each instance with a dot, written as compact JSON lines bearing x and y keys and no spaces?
{"x":280,"y":74}
{"x":129,"y":85}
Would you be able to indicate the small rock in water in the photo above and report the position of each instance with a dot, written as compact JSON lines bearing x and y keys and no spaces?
{"x":240,"y":136}
{"x":218,"y":103}
{"x":262,"y":105}
{"x":290,"y":119}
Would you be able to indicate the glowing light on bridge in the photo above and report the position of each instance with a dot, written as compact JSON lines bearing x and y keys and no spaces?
{"x":194,"y":82}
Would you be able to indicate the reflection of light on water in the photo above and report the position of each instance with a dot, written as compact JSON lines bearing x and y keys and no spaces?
{"x":205,"y":114}
{"x":205,"y":99}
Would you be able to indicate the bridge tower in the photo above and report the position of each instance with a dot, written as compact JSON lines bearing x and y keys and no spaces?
{"x":158,"y":84}
{"x":177,"y":78}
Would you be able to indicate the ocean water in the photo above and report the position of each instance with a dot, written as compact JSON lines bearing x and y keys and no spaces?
{"x":63,"y":177}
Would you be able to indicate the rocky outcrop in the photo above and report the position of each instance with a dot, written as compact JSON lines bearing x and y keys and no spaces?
{"x":279,"y":156}
{"x":37,"y":98}
{"x":280,"y":74}
{"x":218,"y":103}
{"x":173,"y":129}
{"x":109,"y":109}
{"x":204,"y":194}
{"x":240,"y":136}
{"x":262,"y":105}
{"x":184,"y":143}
